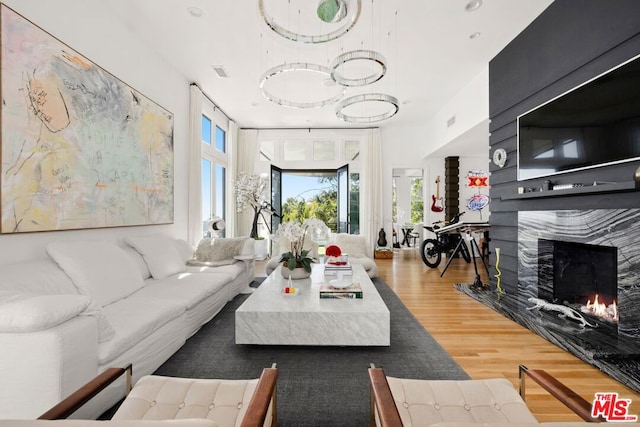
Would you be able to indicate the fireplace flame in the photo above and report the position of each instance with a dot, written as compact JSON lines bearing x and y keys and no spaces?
{"x":601,"y":309}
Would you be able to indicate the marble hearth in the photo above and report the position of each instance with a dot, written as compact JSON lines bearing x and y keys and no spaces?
{"x":613,"y":234}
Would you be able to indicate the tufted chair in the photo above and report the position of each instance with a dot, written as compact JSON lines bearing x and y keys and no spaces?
{"x":157,"y":400}
{"x":397,"y":402}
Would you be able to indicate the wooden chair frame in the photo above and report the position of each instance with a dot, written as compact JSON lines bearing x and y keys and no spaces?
{"x":263,"y":396}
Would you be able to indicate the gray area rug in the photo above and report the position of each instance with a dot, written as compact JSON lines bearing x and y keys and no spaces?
{"x":317,"y":386}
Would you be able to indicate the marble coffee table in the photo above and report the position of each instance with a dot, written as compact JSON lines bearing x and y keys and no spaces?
{"x":270,"y":317}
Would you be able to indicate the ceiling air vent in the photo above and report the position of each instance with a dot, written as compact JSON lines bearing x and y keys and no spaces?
{"x":451,"y":121}
{"x":220,"y":71}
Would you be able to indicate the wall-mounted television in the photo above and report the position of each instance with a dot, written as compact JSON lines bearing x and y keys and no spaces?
{"x":592,"y":125}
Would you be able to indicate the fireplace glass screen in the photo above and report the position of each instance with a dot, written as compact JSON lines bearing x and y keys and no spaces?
{"x":573,"y":273}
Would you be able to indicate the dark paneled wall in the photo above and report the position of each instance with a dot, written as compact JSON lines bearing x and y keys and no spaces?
{"x":569,"y":43}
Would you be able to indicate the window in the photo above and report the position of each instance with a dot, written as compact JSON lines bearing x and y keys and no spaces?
{"x":221,"y":140}
{"x":417,"y":201}
{"x":206,"y":130}
{"x":214,"y":164}
{"x":308,"y":160}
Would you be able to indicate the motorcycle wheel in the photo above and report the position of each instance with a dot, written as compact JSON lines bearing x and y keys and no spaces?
{"x":464,"y":250}
{"x":430,"y":253}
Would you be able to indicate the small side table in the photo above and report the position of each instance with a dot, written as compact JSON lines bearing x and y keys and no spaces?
{"x":248,"y":260}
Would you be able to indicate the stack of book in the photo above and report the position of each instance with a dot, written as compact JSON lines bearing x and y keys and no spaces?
{"x":333,"y":269}
{"x":350,"y":292}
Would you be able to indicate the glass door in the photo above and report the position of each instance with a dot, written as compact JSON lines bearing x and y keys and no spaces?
{"x":343,"y":199}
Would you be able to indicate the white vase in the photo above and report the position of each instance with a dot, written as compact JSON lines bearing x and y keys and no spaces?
{"x":296,"y":273}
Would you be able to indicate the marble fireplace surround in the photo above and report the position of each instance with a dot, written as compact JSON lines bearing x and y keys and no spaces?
{"x":619,"y":228}
{"x":614,"y":349}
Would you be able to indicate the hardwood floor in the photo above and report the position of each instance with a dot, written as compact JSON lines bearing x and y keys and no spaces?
{"x":483,"y":342}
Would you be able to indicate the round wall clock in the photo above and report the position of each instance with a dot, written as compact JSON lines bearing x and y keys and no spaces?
{"x":500,"y":157}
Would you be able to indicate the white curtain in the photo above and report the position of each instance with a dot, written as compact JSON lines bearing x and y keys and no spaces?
{"x":194,"y":220}
{"x":232,"y":171}
{"x":245,"y":150}
{"x":371,"y":188}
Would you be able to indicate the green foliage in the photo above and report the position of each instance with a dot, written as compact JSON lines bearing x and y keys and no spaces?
{"x":324,"y":205}
{"x":292,"y":262}
{"x":417,"y":201}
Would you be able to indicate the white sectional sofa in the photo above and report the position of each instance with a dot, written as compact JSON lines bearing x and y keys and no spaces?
{"x":98,"y":304}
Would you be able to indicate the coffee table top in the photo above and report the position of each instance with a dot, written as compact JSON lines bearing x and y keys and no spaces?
{"x":269,"y":296}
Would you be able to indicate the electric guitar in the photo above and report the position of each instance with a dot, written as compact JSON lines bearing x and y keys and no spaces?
{"x":436,"y":204}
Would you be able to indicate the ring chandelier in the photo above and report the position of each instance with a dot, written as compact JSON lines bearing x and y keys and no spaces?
{"x":297,"y":66}
{"x":367,"y":97}
{"x":350,"y":21}
{"x":354,"y":55}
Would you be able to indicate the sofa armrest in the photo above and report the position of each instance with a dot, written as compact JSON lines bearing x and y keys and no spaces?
{"x":41,"y":368}
{"x":85,"y":393}
{"x":263,"y":396}
{"x":564,"y":394}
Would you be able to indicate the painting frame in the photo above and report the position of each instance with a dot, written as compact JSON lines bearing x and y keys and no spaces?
{"x":79,"y":148}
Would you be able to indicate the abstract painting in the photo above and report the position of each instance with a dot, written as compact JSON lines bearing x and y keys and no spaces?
{"x":79,"y":147}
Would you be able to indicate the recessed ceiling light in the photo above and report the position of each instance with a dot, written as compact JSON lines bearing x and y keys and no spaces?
{"x":474,"y":35}
{"x":473,"y":5}
{"x":196,"y":12}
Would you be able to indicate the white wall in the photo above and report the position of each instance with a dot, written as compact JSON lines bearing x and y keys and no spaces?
{"x":422,"y":147}
{"x":90,"y":28}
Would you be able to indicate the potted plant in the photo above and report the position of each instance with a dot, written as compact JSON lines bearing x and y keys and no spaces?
{"x":296,"y":263}
{"x":249,"y":190}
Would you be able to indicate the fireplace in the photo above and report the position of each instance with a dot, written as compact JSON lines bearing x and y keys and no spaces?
{"x":565,"y":258}
{"x":581,"y":276}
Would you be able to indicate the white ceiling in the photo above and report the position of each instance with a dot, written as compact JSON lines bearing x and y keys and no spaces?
{"x":426,"y":43}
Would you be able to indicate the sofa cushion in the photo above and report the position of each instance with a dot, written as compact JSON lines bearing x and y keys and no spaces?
{"x":354,"y":245}
{"x":186,"y":250}
{"x":27,"y":312}
{"x":156,"y":397}
{"x":138,"y":261}
{"x":232,"y":270}
{"x":38,"y":276}
{"x":135,"y":319}
{"x":217,"y":251}
{"x":99,"y":269}
{"x":187,"y":288}
{"x":31,"y":312}
{"x":160,"y":253}
{"x":427,"y":402}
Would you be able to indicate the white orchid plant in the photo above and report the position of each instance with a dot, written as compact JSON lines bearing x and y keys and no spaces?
{"x":296,"y":233}
{"x":249,"y":190}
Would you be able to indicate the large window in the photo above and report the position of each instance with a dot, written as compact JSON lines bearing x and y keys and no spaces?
{"x":308,"y":161}
{"x":314,"y":194}
{"x":214,"y":165}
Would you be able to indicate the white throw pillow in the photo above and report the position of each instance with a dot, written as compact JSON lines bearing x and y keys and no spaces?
{"x":217,"y":251}
{"x":99,"y":269}
{"x":185,"y":249}
{"x":353,"y":245}
{"x":160,"y":253}
{"x":32,"y":312}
